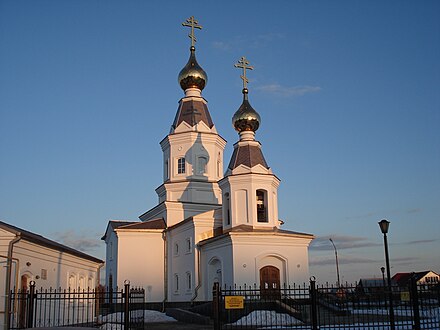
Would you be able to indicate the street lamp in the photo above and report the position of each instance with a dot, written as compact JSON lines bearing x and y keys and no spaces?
{"x":384,"y":224}
{"x":337,"y":264}
{"x":382,"y":269}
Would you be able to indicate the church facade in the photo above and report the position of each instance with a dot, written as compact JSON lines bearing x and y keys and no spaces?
{"x":209,"y":225}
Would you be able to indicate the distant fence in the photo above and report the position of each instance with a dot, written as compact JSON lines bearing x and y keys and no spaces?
{"x":326,"y":307}
{"x":57,"y":308}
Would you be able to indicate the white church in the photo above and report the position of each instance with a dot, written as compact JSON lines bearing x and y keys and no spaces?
{"x":209,"y":225}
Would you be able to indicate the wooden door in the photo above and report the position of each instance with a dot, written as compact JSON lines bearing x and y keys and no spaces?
{"x":270,"y":282}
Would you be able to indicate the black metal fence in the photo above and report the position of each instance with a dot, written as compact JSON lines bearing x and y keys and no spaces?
{"x":56,"y":308}
{"x":326,"y":307}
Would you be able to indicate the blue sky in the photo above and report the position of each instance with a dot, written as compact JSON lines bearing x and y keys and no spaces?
{"x":348,"y":93}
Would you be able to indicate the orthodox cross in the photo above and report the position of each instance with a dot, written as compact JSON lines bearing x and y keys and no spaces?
{"x":191,"y":22}
{"x":192,"y":113}
{"x":244,"y":64}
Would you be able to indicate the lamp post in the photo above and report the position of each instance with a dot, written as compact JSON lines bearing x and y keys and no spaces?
{"x":337,"y":264}
{"x":384,"y":224}
{"x":382,"y":269}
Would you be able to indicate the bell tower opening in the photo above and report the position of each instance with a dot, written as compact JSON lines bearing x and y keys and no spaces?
{"x":261,"y":206}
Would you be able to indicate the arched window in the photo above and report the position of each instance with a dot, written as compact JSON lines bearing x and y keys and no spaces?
{"x":188,"y":281}
{"x":228,"y":212}
{"x":181,"y":165}
{"x":219,"y":165}
{"x":261,"y":206}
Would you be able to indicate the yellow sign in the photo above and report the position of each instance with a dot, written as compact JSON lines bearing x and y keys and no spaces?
{"x":234,"y":302}
{"x":404,"y":296}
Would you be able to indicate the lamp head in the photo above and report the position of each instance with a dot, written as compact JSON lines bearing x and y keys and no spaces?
{"x":384,"y":224}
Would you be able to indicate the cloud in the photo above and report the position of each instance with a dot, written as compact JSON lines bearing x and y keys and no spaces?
{"x":221,"y":45}
{"x":240,"y":42}
{"x":380,"y":214}
{"x":342,"y":242}
{"x":78,"y":241}
{"x":422,"y":241}
{"x":347,"y":260}
{"x":288,"y":91}
{"x":415,"y":210}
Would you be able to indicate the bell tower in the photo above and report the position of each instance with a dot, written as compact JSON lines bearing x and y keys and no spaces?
{"x":249,"y":188}
{"x":193,"y":150}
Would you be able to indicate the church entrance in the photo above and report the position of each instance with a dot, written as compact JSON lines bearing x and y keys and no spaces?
{"x":270,"y":282}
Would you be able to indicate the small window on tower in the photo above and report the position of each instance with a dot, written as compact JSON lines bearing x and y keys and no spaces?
{"x":261,"y":206}
{"x":165,"y":169}
{"x":181,"y":165}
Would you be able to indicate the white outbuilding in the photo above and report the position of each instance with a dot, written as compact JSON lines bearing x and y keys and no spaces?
{"x":26,"y":257}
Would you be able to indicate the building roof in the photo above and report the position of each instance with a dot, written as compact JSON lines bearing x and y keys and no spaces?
{"x":371,"y":282}
{"x":402,"y":279}
{"x":248,"y":155}
{"x":150,"y":224}
{"x":219,"y":234}
{"x":192,"y":111}
{"x":135,"y":225}
{"x":40,"y":240}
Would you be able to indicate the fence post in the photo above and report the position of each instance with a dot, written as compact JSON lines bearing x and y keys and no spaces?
{"x":216,"y":295}
{"x":31,"y":300}
{"x":415,"y":302}
{"x":126,"y":304}
{"x":313,"y":304}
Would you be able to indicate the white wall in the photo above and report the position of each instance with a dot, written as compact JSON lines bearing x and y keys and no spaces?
{"x":141,"y":261}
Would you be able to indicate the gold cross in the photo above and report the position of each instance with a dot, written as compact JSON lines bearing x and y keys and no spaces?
{"x":191,"y":22}
{"x":244,"y":64}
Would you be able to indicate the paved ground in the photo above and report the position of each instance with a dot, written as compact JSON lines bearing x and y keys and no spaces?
{"x":177,"y":326}
{"x":150,"y":326}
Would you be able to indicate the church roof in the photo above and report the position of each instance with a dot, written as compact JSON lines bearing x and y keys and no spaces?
{"x":248,"y":155}
{"x":150,"y":224}
{"x":251,"y":230}
{"x":41,"y":240}
{"x":192,"y":111}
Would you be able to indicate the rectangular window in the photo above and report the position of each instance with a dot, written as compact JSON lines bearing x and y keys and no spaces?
{"x":44,"y":274}
{"x":181,"y":165}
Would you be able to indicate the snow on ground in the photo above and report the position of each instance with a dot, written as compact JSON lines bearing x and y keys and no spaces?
{"x":272,"y":320}
{"x":261,"y":317}
{"x":150,"y":316}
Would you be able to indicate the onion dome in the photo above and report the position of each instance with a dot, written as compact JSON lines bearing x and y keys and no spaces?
{"x":192,"y":75}
{"x":246,"y":118}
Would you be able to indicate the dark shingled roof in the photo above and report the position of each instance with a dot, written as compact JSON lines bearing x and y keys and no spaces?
{"x":150,"y":224}
{"x":192,"y":112}
{"x":40,"y":240}
{"x":247,"y":155}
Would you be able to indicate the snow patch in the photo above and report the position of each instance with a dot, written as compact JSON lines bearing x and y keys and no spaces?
{"x":262,"y":317}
